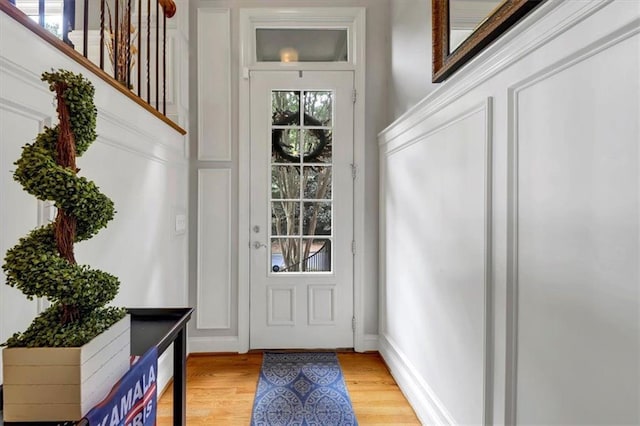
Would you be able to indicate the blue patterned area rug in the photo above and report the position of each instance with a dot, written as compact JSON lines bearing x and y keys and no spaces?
{"x":301,"y":389}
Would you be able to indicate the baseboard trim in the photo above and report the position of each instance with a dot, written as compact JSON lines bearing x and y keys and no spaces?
{"x":165,"y":389}
{"x":165,"y":370}
{"x":370,"y":343}
{"x":229,"y":344}
{"x":425,"y":403}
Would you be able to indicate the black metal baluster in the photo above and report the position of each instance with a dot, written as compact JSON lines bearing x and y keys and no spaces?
{"x":85,"y":29}
{"x":164,"y":64}
{"x":139,"y":49}
{"x":101,"y":34}
{"x":128,"y":62}
{"x":327,"y":259}
{"x":148,"y":51}
{"x":68,"y":20}
{"x":115,"y":40}
{"x":157,"y":54}
{"x":41,"y":13}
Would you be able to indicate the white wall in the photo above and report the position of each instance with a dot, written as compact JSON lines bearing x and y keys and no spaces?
{"x":511,"y":228}
{"x":410,"y":78}
{"x":137,"y":160}
{"x":221,"y":298}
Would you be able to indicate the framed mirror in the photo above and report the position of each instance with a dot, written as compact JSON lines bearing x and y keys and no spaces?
{"x":462,"y":28}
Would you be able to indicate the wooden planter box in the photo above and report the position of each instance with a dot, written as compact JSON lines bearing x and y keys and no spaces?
{"x":56,"y":384}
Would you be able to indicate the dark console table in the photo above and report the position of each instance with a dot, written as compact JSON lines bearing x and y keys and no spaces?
{"x":158,"y":327}
{"x":161,"y":327}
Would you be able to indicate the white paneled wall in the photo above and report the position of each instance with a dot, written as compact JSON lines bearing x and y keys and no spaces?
{"x":439,"y":247}
{"x":574,"y":243}
{"x":137,"y":160}
{"x":214,"y":82}
{"x":214,"y":257}
{"x":214,"y":249}
{"x":511,"y":228}
{"x":215,"y":254}
{"x":19,"y":124}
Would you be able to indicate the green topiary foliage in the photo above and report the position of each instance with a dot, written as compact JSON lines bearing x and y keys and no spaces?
{"x":35,"y":265}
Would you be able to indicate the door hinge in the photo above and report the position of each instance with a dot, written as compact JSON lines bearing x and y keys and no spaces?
{"x":353,"y":246}
{"x":354,"y":171}
{"x":354,"y":96}
{"x":353,"y":323}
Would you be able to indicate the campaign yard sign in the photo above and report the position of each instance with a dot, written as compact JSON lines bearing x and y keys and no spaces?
{"x":133,"y":400}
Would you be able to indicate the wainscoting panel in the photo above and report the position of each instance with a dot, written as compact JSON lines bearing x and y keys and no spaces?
{"x":16,"y":312}
{"x":550,"y":218}
{"x":214,"y":249}
{"x":214,"y":85}
{"x":575,"y":239}
{"x":438,"y":257}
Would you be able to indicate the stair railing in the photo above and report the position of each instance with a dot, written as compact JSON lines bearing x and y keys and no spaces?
{"x":319,"y":261}
{"x":136,"y":48}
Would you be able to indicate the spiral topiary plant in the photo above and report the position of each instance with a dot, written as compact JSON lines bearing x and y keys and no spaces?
{"x":43,"y":264}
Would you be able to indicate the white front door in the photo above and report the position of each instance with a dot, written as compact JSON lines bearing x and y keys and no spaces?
{"x":301,"y":209}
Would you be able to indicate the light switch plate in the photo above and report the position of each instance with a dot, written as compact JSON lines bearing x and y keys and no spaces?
{"x":181,"y":223}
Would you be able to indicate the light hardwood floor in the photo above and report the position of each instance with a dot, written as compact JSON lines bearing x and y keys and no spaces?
{"x":220,"y":390}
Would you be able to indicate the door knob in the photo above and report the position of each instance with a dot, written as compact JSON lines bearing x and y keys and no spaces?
{"x":258,"y":244}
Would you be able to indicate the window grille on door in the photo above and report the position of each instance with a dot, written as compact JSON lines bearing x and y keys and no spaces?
{"x":301,"y":199}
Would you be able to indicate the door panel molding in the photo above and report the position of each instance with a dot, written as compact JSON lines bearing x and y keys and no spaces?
{"x":274,"y":315}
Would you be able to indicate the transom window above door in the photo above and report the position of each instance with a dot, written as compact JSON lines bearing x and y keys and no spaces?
{"x":302,"y":45}
{"x":304,"y":38}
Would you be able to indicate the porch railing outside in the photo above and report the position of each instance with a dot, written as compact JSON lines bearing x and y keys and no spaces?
{"x":125,"y":38}
{"x":320,"y":261}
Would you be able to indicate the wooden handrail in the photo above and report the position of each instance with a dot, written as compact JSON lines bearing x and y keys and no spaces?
{"x":23,"y":19}
{"x":168,"y":7}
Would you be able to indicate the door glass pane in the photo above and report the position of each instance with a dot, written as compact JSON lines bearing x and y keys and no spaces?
{"x":317,"y":182}
{"x":317,"y":146}
{"x":285,"y":254}
{"x":285,"y":107}
{"x":285,"y":218}
{"x":285,"y":146}
{"x":316,"y":255}
{"x":301,"y":173}
{"x":285,"y":182}
{"x":318,"y":108}
{"x":317,"y":219}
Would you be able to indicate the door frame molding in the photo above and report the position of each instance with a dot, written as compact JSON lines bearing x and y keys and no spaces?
{"x":354,"y":19}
